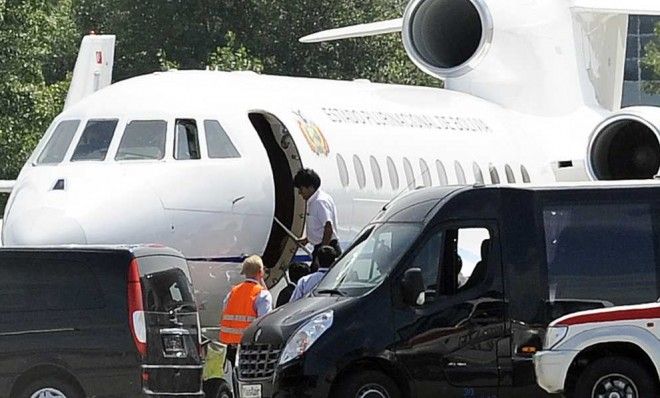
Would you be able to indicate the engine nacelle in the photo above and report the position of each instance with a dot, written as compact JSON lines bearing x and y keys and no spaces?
{"x":447,"y":38}
{"x":626,"y":146}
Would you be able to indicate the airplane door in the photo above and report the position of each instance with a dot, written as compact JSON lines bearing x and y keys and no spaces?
{"x":450,"y":343}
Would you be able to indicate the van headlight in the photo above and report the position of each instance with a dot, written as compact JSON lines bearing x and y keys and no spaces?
{"x":305,"y":336}
{"x":554,"y":335}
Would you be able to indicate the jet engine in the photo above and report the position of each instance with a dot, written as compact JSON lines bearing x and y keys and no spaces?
{"x":626,"y":146}
{"x":447,"y":38}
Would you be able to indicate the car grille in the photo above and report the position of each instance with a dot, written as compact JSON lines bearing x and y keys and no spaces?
{"x":257,"y":361}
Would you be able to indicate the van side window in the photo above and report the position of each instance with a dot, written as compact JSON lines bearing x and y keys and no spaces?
{"x":143,"y":139}
{"x":426,"y":173}
{"x":186,"y":140}
{"x":359,"y":172}
{"x":218,"y":143}
{"x":428,"y":260}
{"x":95,"y":140}
{"x":460,"y":174}
{"x":28,"y":285}
{"x":603,"y":254}
{"x":343,"y":170}
{"x":410,"y":174}
{"x":510,"y":177}
{"x":465,"y":260}
{"x":442,"y":173}
{"x":375,"y":170}
{"x":59,"y":142}
{"x":394,"y":175}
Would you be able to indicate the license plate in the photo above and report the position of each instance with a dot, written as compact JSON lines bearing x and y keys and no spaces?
{"x":251,"y":391}
{"x":173,"y":345}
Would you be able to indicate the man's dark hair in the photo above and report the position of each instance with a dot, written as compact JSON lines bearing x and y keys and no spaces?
{"x":297,"y":271}
{"x":307,"y":178}
{"x":326,"y":256}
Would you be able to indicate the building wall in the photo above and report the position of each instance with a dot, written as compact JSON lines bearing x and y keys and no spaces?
{"x":640,"y":32}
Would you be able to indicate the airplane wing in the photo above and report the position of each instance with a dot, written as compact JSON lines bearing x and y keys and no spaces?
{"x":93,"y":69}
{"x":362,"y":30}
{"x":6,"y":186}
{"x":634,"y":7}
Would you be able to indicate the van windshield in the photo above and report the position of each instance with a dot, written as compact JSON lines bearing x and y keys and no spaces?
{"x":369,"y":261}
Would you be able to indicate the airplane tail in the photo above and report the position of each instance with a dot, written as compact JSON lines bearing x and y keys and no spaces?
{"x":93,"y":69}
{"x":518,"y":53}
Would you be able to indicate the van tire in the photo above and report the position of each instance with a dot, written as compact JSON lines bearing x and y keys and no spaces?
{"x":355,"y":385}
{"x":629,"y":373}
{"x":57,"y":387}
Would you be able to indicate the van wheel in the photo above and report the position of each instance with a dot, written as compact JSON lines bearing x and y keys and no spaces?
{"x":224,"y":391}
{"x":615,"y":377}
{"x":368,"y":384}
{"x":50,"y":387}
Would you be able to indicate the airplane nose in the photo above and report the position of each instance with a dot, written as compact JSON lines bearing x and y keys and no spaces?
{"x":43,"y":227}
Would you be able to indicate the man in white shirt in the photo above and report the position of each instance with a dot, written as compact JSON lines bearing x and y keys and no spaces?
{"x":321,"y":221}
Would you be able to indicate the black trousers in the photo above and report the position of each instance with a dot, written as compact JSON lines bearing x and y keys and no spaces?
{"x":231,"y":354}
{"x":315,"y":263}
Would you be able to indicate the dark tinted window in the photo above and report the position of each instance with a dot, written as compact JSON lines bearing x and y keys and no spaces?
{"x":166,"y":283}
{"x":59,"y":142}
{"x":37,"y":285}
{"x":603,"y":252}
{"x":143,"y":139}
{"x":218,"y":144}
{"x":95,"y":140}
{"x":186,"y":144}
{"x":428,"y":260}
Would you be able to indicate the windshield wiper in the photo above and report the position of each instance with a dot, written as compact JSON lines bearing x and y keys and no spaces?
{"x":331,"y":292}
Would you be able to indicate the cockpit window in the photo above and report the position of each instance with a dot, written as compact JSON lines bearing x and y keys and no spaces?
{"x":218,"y":144}
{"x":59,"y":142}
{"x":95,"y":140}
{"x":186,"y":143}
{"x":369,"y":261}
{"x":143,"y":140}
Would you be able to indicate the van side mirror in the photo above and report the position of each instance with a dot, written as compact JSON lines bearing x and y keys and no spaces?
{"x":412,"y":287}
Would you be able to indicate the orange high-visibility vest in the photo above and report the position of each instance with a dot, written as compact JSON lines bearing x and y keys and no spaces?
{"x":239,"y":312}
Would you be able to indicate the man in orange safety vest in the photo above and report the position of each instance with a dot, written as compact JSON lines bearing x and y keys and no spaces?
{"x":245,"y":302}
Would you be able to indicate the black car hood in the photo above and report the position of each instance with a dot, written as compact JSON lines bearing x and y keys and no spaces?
{"x":276,"y":327}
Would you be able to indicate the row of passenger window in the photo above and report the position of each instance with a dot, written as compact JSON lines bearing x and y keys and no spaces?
{"x":427,"y":180}
{"x":141,"y":140}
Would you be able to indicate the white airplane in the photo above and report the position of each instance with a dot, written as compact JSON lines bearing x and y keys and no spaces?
{"x":203,"y":160}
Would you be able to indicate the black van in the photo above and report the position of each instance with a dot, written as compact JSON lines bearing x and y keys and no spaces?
{"x":98,"y":322}
{"x":448,"y":291}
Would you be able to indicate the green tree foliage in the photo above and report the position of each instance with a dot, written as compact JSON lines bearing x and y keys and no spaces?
{"x":652,"y":62}
{"x":38,"y":41}
{"x":153,"y":34}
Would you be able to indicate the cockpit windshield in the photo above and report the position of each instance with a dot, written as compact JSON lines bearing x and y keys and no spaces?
{"x":367,"y":264}
{"x":143,"y":140}
{"x":95,"y":140}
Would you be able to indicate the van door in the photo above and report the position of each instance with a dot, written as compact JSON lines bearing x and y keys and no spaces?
{"x":450,"y":343}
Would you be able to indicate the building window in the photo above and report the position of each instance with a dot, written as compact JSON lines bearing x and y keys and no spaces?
{"x":410,"y":174}
{"x":375,"y":170}
{"x":394,"y":175}
{"x":478,"y":175}
{"x":59,"y":142}
{"x":494,"y":175}
{"x":359,"y":172}
{"x":510,"y":177}
{"x":343,"y":170}
{"x":186,"y":142}
{"x":218,"y":143}
{"x":426,"y":173}
{"x":95,"y":140}
{"x":442,"y":173}
{"x":460,"y":174}
{"x":143,"y":140}
{"x":525,"y":174}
